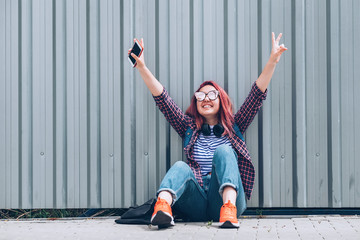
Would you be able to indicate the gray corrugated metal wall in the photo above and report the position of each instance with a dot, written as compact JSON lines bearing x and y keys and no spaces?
{"x":79,"y":128}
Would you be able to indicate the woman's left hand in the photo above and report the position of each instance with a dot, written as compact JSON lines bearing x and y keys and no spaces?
{"x":277,"y":49}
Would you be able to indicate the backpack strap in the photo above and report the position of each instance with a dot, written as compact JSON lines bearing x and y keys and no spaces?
{"x":189,"y":132}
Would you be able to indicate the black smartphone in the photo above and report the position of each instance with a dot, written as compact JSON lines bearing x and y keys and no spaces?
{"x":137,"y":50}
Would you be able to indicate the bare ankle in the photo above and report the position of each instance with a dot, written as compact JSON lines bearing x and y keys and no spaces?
{"x":229,"y":193}
{"x":167,"y":196}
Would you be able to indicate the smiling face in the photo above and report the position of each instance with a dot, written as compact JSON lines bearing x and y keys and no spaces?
{"x":207,"y":108}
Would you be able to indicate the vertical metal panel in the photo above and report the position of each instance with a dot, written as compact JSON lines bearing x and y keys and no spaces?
{"x":3,"y":137}
{"x":79,"y":128}
{"x":107,"y":101}
{"x":299,"y":101}
{"x":163,"y":74}
{"x":335,"y":151}
{"x":94,"y":104}
{"x":140,"y":106}
{"x":175,"y":68}
{"x":316,"y":124}
{"x":349,"y":109}
{"x":117,"y":110}
{"x":26,"y":106}
{"x":251,"y":50}
{"x":10,"y":104}
{"x":60,"y":106}
{"x":277,"y":134}
{"x":126,"y":108}
{"x":42,"y":123}
{"x":355,"y":180}
{"x":13,"y":88}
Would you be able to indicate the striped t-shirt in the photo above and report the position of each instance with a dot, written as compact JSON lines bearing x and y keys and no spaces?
{"x":204,"y":149}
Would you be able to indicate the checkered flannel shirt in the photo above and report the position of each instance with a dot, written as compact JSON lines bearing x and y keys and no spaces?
{"x":181,"y":122}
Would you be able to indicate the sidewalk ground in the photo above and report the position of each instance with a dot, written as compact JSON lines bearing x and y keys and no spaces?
{"x":268,"y":227}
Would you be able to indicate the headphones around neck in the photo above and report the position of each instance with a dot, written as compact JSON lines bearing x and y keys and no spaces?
{"x":218,"y":129}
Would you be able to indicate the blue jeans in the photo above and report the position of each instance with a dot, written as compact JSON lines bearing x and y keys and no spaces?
{"x":197,"y":203}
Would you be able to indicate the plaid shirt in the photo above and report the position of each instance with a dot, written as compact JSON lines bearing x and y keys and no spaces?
{"x":181,"y":122}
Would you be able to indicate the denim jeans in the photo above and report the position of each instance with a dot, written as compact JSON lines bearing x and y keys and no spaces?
{"x":197,"y":203}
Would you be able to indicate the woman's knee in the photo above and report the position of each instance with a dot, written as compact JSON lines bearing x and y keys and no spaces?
{"x":223,"y":149}
{"x":224,"y":152}
{"x":177,"y":175}
{"x":181,"y":167}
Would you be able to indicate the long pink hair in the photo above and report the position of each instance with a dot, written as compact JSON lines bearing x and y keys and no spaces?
{"x":225,"y":114}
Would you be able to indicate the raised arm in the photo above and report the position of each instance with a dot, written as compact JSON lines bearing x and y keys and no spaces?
{"x":173,"y":114}
{"x":265,"y":77}
{"x":151,"y":82}
{"x":254,"y":100}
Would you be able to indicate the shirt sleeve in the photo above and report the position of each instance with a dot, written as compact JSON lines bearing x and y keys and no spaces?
{"x":250,"y":107}
{"x":173,"y":114}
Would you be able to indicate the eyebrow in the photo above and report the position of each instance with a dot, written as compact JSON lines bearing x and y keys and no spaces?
{"x":208,"y":91}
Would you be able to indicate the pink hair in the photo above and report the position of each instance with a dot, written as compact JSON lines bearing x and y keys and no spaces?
{"x":225,"y":114}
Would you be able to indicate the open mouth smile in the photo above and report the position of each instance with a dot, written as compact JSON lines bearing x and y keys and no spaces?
{"x":207,"y":106}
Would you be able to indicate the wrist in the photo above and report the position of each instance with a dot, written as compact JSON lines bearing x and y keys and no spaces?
{"x":141,"y":67}
{"x":272,"y":60}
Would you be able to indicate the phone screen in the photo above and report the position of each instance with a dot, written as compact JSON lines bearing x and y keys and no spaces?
{"x":136,"y":50}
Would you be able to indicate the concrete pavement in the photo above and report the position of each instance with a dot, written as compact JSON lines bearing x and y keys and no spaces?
{"x":268,"y":227}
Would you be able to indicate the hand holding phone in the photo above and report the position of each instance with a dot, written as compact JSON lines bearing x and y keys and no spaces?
{"x":137,"y":49}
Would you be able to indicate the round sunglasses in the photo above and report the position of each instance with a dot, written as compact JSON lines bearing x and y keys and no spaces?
{"x":212,"y":95}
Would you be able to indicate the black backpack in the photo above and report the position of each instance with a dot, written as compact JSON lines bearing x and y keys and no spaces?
{"x":138,"y":214}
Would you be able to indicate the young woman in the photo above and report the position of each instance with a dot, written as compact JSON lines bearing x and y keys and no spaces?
{"x":219,"y":173}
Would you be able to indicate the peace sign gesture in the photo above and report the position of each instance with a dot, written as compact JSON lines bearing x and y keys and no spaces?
{"x":277,"y":49}
{"x":265,"y":77}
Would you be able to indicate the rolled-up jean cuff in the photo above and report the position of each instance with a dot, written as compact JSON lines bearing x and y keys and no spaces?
{"x":221,"y":190}
{"x":168,"y":190}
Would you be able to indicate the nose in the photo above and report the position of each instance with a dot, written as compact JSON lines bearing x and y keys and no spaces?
{"x":207,"y":99}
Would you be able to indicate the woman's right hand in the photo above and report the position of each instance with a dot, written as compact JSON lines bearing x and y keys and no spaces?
{"x":140,"y":61}
{"x":151,"y":82}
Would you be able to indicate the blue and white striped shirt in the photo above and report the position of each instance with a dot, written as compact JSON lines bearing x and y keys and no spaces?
{"x":204,"y":149}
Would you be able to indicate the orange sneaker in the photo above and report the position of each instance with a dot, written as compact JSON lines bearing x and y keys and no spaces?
{"x":162,"y":216}
{"x":228,"y":217}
